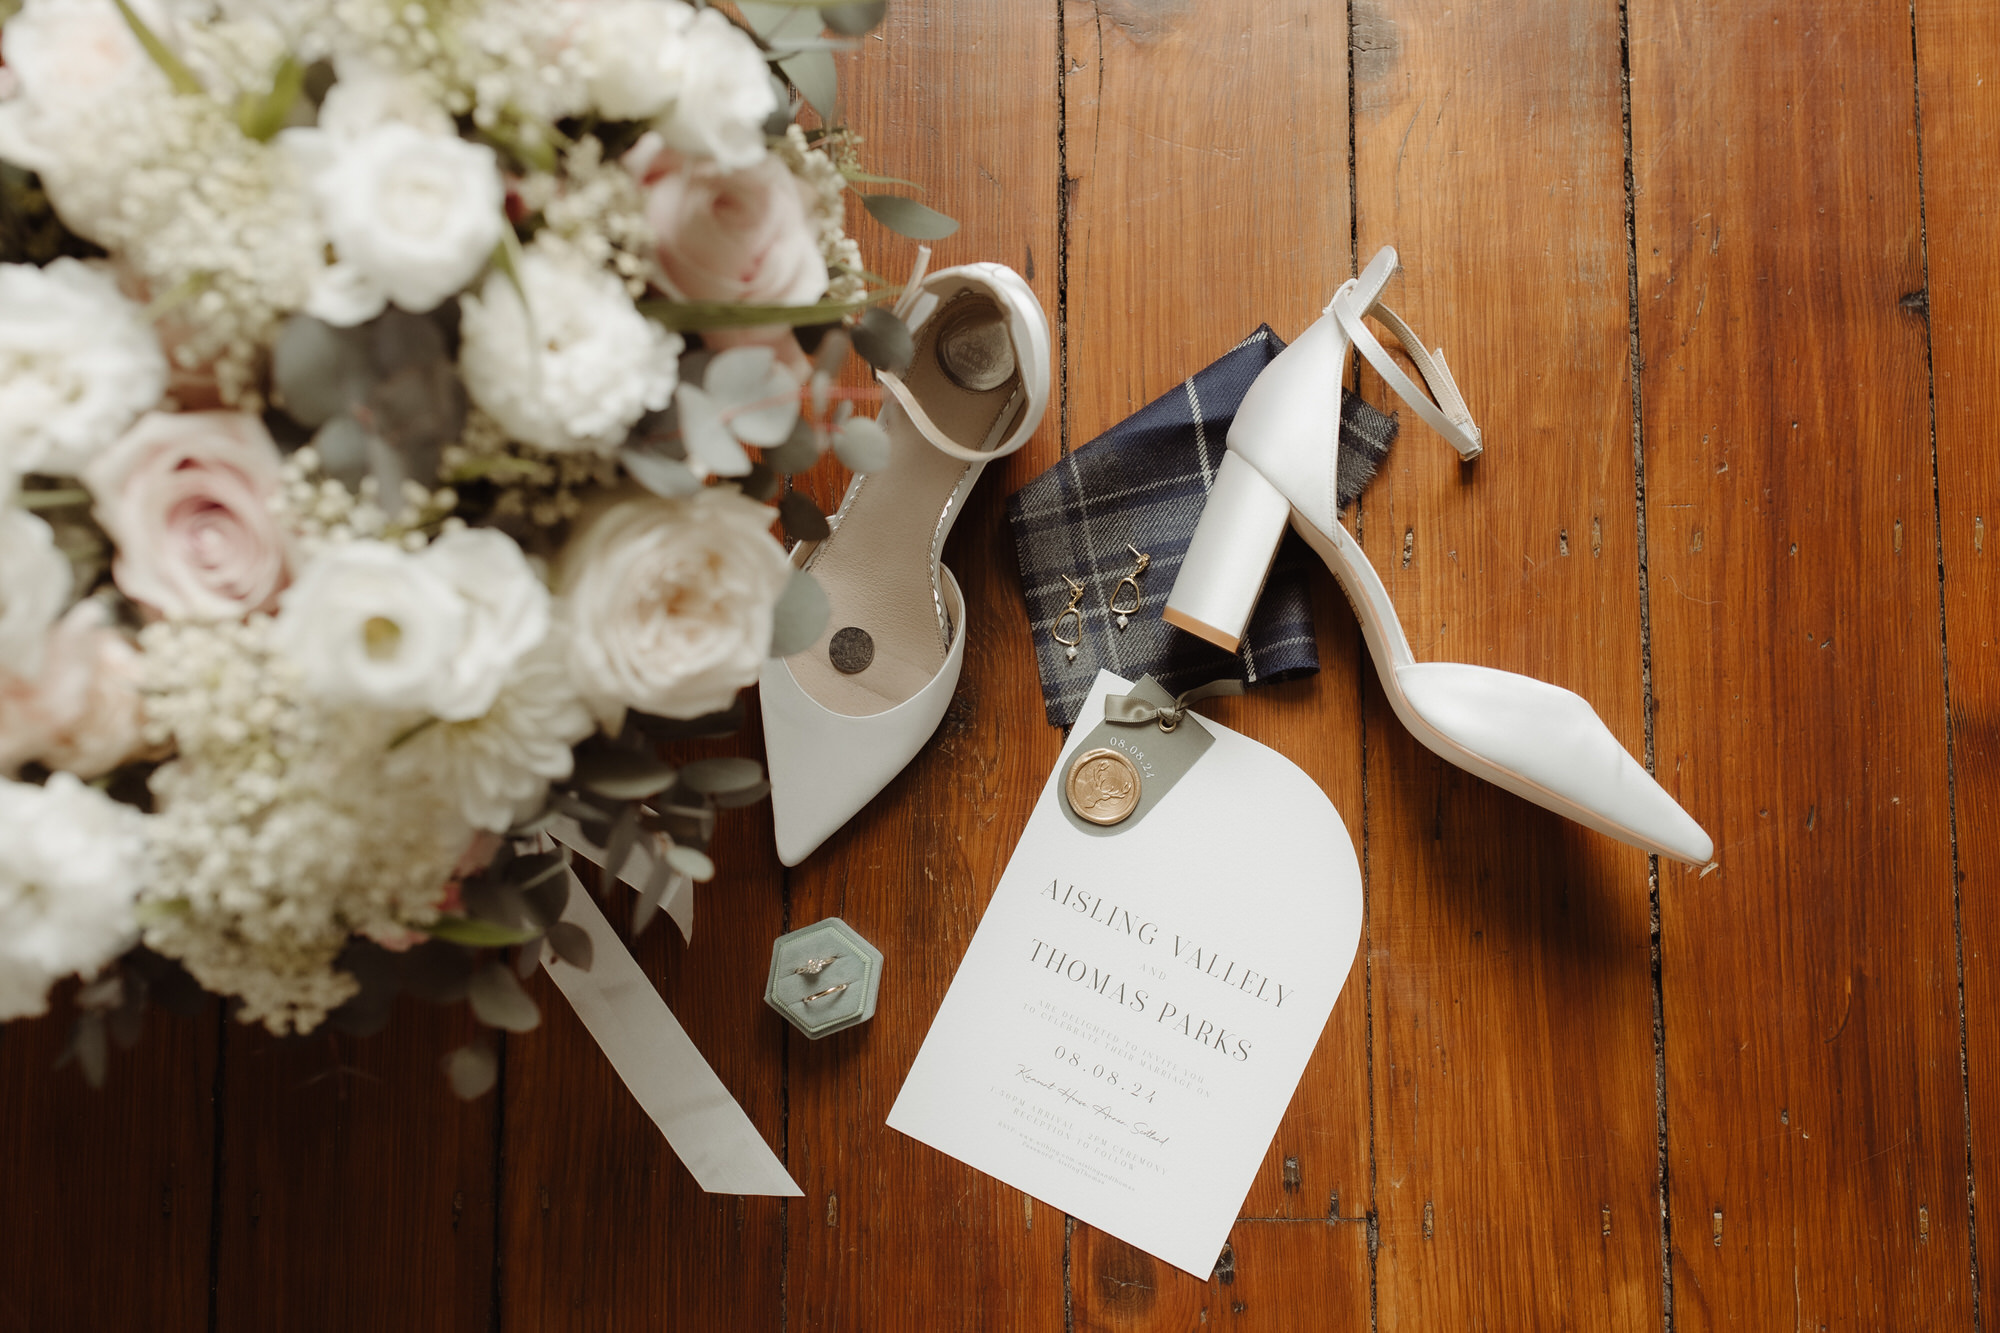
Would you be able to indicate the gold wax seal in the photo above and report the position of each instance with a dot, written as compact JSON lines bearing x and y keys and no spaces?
{"x":1103,"y":786}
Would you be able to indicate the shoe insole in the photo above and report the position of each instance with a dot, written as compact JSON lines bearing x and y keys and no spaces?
{"x":877,"y":565}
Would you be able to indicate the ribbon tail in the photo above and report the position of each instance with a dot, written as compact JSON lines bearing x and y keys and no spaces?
{"x":660,"y":1064}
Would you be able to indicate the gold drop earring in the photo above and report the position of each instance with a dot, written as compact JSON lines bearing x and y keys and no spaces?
{"x":1124,"y":613}
{"x":1075,"y":608}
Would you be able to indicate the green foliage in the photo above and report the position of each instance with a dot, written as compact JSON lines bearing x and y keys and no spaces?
{"x":907,"y":217}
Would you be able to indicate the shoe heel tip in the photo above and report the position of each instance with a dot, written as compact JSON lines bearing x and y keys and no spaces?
{"x":1200,"y":629}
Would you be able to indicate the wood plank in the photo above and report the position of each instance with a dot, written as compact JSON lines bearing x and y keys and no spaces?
{"x":602,"y":1228}
{"x":1815,"y":1122}
{"x":1958,"y":67}
{"x":960,"y":98}
{"x":106,"y":1210}
{"x":354,"y":1184}
{"x":1207,"y":149}
{"x":1515,"y":1098}
{"x":1293,"y":1276}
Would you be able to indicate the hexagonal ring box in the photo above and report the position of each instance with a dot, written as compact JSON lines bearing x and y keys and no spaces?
{"x":825,"y":956}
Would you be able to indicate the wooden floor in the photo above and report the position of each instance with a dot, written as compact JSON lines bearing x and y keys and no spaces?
{"x":1718,"y":278}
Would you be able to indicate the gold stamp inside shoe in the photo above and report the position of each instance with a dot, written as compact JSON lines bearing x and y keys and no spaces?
{"x":1103,"y":786}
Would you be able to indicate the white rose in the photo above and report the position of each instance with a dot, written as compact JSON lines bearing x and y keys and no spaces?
{"x":34,"y":584}
{"x":725,"y":94}
{"x":745,"y":235}
{"x":506,"y":615}
{"x":82,"y":712}
{"x":582,"y":373}
{"x":635,"y":52}
{"x":368,"y":623}
{"x":667,"y":604}
{"x":75,"y":861}
{"x":413,"y":216}
{"x":366,"y":97}
{"x":77,"y":363}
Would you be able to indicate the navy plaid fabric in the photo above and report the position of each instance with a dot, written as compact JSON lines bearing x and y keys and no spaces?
{"x":1143,"y":482}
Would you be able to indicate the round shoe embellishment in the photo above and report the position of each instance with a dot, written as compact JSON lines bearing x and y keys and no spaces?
{"x":974,"y":348}
{"x":851,"y":650}
{"x":1103,"y":786}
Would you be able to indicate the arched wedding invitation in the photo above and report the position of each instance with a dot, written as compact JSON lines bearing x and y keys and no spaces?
{"x":1138,"y":1005}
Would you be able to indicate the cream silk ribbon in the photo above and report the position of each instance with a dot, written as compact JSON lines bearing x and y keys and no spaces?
{"x":653,"y":1054}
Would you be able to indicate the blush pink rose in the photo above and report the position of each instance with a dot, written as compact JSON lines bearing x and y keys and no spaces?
{"x":746,"y":236}
{"x":82,"y":713}
{"x":187,"y":498}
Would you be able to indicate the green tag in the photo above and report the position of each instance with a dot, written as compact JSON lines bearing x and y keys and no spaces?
{"x":1161,"y":757}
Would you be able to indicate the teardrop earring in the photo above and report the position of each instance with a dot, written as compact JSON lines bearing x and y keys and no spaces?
{"x":1124,"y":613}
{"x":1075,"y":608}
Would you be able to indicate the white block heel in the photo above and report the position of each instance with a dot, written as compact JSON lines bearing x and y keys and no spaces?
{"x":1223,"y":573}
{"x":1537,"y":740}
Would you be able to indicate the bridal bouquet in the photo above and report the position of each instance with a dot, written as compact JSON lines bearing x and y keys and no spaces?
{"x":397,"y":398}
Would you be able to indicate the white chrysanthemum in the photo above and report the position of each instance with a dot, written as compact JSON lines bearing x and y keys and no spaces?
{"x":634,"y":52}
{"x":500,"y":765}
{"x":78,"y":362}
{"x":369,"y":623}
{"x":506,"y":613}
{"x":280,"y":832}
{"x":725,"y":94}
{"x":71,"y":55}
{"x":413,"y":216}
{"x":581,"y":372}
{"x":35,"y":582}
{"x":75,"y":861}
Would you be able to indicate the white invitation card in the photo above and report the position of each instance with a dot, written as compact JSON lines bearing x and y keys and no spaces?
{"x":1138,"y":1004}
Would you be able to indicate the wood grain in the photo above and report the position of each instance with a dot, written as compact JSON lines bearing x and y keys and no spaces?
{"x":1816,"y":1134}
{"x":958,"y":96}
{"x":107,"y":1199}
{"x":1958,"y":67}
{"x":353,"y":1183}
{"x":1206,"y":152}
{"x":601,"y":1226}
{"x":1515,"y":1099}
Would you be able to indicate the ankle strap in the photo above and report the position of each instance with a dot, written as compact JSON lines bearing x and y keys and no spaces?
{"x":1448,"y":416}
{"x":998,"y":443}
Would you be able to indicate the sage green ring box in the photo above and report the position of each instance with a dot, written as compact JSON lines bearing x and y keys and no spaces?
{"x":859,"y":965}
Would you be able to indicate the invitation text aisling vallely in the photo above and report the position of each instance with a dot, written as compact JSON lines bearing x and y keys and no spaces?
{"x":1188,"y":953}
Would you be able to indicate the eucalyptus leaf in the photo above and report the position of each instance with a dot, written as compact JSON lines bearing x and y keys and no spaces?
{"x":472,"y":1070}
{"x":687,"y":861}
{"x":437,"y":970}
{"x":666,"y":477}
{"x":626,"y":775}
{"x":800,"y":615}
{"x":862,"y":445}
{"x":649,"y":897}
{"x":884,"y":341}
{"x":527,"y":871}
{"x":496,"y":902}
{"x":319,"y":371}
{"x":774,"y":20}
{"x":346,"y":450}
{"x":477,"y":934}
{"x":547,"y":899}
{"x":724,"y":773}
{"x":802,"y":518}
{"x":498,"y":1000}
{"x":93,"y":1052}
{"x":907,"y":217}
{"x":527,"y":958}
{"x":761,"y":482}
{"x":797,"y":454}
{"x":572,"y":944}
{"x":708,"y":725}
{"x":618,"y":847}
{"x":736,"y":800}
{"x":855,"y":20}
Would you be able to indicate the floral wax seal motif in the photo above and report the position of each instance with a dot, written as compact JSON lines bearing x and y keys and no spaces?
{"x":1103,"y":786}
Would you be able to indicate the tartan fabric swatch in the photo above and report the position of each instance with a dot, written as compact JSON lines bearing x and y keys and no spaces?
{"x":1143,"y":482}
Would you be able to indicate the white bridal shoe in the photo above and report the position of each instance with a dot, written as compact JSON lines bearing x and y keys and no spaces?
{"x":1538,"y":741}
{"x":844,"y":716}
